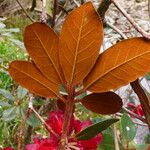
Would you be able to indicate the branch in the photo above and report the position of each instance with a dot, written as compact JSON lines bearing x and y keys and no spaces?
{"x":102,"y":9}
{"x":131,"y":20}
{"x":115,"y":138}
{"x":149,"y":8}
{"x":55,"y":8}
{"x":143,"y":99}
{"x":133,"y":114}
{"x":77,"y":3}
{"x":40,"y":118}
{"x":43,"y":18}
{"x":28,"y":16}
{"x":117,"y":30}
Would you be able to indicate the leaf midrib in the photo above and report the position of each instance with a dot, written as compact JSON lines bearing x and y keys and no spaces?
{"x":77,"y":47}
{"x":36,"y":80}
{"x":119,"y":65}
{"x":51,"y":60}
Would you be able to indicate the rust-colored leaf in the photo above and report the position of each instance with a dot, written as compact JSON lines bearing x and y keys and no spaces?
{"x":28,"y":76}
{"x":41,"y":43}
{"x":119,"y":65}
{"x":80,"y":40}
{"x":103,"y":103}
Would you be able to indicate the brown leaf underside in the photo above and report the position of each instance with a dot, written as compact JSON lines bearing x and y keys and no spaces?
{"x":28,"y":76}
{"x":41,"y":43}
{"x":80,"y":40}
{"x":119,"y":65}
{"x":103,"y":103}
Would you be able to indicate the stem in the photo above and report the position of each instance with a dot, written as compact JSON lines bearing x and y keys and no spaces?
{"x":40,"y":118}
{"x":115,"y":138}
{"x":44,"y":14}
{"x":55,"y":8}
{"x":67,"y":118}
{"x":103,"y":7}
{"x":149,"y":8}
{"x":131,"y":20}
{"x":143,"y":99}
{"x":77,"y":3}
{"x":25,"y":11}
{"x":117,"y":30}
{"x":133,"y":114}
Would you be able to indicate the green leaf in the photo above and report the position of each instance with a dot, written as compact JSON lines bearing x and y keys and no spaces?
{"x":7,"y":94}
{"x":147,"y":139}
{"x":95,"y":129}
{"x":9,"y":114}
{"x":128,"y":128}
{"x":108,"y":140}
{"x":21,"y":92}
{"x":81,"y":96}
{"x":147,"y":76}
{"x":143,"y":147}
{"x":33,"y":121}
{"x":4,"y":104}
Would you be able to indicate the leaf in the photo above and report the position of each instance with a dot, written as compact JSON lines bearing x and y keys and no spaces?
{"x":128,"y":128}
{"x":21,"y":92}
{"x":107,"y":142}
{"x":7,"y":94}
{"x":143,"y":147}
{"x":41,"y":43}
{"x":119,"y":65}
{"x":33,"y":121}
{"x":4,"y":104}
{"x":9,"y":114}
{"x":95,"y":129}
{"x":80,"y":40}
{"x":29,"y":77}
{"x":103,"y":103}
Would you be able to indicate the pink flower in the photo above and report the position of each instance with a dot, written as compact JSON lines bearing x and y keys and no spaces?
{"x":8,"y":148}
{"x":137,"y":109}
{"x":55,"y":121}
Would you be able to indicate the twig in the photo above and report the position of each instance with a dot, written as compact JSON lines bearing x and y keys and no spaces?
{"x":149,"y":8}
{"x":77,"y":3}
{"x":140,"y":124}
{"x":115,"y":138}
{"x":117,"y":30}
{"x":133,"y":114}
{"x":40,"y":118}
{"x":131,"y":20}
{"x":143,"y":99}
{"x":28,"y":16}
{"x":103,"y":7}
{"x":43,"y":18}
{"x":63,"y":9}
{"x":55,"y":8}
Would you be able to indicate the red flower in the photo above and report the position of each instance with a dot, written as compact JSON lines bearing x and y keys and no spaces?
{"x":8,"y":148}
{"x":137,"y":109}
{"x":55,"y":121}
{"x":87,"y":144}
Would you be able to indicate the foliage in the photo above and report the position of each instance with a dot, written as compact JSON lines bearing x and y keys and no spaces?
{"x":65,"y":68}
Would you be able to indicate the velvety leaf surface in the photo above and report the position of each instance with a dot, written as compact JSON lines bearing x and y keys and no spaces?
{"x":80,"y":40}
{"x":41,"y":43}
{"x":119,"y":65}
{"x":28,"y":76}
{"x":94,"y":129}
{"x":103,"y":103}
